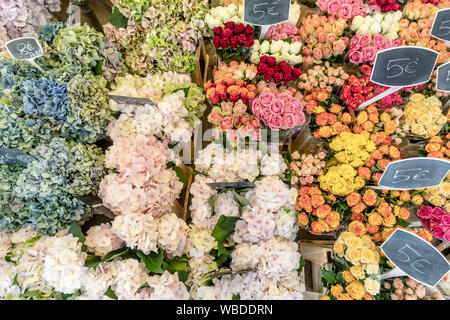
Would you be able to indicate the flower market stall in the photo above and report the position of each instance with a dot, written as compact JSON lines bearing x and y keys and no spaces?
{"x":224,"y":150}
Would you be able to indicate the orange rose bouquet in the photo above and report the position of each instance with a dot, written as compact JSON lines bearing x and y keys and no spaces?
{"x":318,"y":211}
{"x":378,"y":213}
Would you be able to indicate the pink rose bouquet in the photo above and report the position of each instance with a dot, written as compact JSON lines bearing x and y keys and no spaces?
{"x":283,"y":31}
{"x":437,"y":220}
{"x":363,"y":48}
{"x":279,"y":108}
{"x":346,"y":9}
{"x":406,"y":288}
{"x":322,"y":77}
{"x":233,"y":118}
{"x":306,"y":168}
{"x":323,"y":38}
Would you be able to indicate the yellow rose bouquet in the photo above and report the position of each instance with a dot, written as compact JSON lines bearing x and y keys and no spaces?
{"x":423,"y":116}
{"x":351,"y":275}
{"x":341,"y":180}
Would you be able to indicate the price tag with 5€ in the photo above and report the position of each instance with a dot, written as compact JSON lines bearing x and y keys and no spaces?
{"x":26,"y":48}
{"x":401,"y":67}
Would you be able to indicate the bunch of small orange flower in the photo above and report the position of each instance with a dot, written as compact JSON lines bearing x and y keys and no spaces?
{"x":379,"y":214}
{"x":328,"y":121}
{"x":315,"y":209}
{"x":379,"y":159}
{"x":377,"y":122}
{"x":438,"y":147}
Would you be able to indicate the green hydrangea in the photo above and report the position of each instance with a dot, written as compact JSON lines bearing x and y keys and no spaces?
{"x":14,"y":211}
{"x":45,"y":190}
{"x":194,"y":102}
{"x":89,"y":113}
{"x":132,"y":9}
{"x":21,"y":131}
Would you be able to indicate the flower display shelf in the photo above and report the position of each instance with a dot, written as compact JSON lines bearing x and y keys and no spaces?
{"x":200,"y":75}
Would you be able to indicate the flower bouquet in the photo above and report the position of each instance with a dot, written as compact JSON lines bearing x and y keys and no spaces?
{"x":435,"y":219}
{"x":233,"y":42}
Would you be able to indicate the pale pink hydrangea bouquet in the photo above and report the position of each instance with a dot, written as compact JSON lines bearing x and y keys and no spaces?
{"x":143,"y":183}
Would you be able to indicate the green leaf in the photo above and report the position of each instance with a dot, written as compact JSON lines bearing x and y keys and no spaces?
{"x":402,"y":223}
{"x":152,"y":261}
{"x":98,"y":70}
{"x":70,"y":296}
{"x":236,"y":297}
{"x":211,"y":203}
{"x":422,"y":153}
{"x":329,"y":276}
{"x":92,"y":261}
{"x":183,"y":275}
{"x":178,"y":264}
{"x":222,"y":251}
{"x":340,"y":277}
{"x":115,"y":254}
{"x":302,"y":264}
{"x":117,"y":19}
{"x":224,"y":227}
{"x":243,"y":201}
{"x":75,"y":230}
{"x":109,"y":293}
{"x":15,"y":282}
{"x":181,"y":175}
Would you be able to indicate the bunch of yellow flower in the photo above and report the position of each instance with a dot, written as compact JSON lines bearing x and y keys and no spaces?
{"x":439,"y":196}
{"x":423,"y":116}
{"x":353,"y":149}
{"x":363,"y":255}
{"x":378,"y":122}
{"x":341,"y":180}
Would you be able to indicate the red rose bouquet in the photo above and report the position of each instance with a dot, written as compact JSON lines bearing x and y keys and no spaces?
{"x":278,"y":72}
{"x":359,"y":89}
{"x":233,"y":41}
{"x":387,"y":5}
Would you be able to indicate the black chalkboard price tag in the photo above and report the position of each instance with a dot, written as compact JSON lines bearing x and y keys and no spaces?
{"x":414,"y":173}
{"x":443,"y":78}
{"x":233,"y":185}
{"x":131,"y":100}
{"x":266,"y":12}
{"x":26,"y":48}
{"x":415,"y":257}
{"x":441,"y":25}
{"x":14,"y":156}
{"x":403,"y":66}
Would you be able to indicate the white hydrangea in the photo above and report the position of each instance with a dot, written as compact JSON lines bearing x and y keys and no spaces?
{"x":172,"y":234}
{"x":139,"y":231}
{"x":225,"y":204}
{"x":257,"y":224}
{"x":5,"y":245}
{"x":164,"y":287}
{"x":23,"y":234}
{"x":279,"y":257}
{"x":220,"y":290}
{"x":287,"y":287}
{"x":200,"y":208}
{"x":30,"y":267}
{"x":63,"y":264}
{"x":200,"y":266}
{"x":95,"y":282}
{"x":130,"y":276}
{"x":101,"y":239}
{"x":271,"y":193}
{"x":243,"y":257}
{"x":7,"y":274}
{"x":287,"y":225}
{"x":273,"y":165}
{"x":200,"y":241}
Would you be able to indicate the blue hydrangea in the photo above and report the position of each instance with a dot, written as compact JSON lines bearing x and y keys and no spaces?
{"x":43,"y":193}
{"x":12,"y":74}
{"x":49,"y":31}
{"x":45,"y":98}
